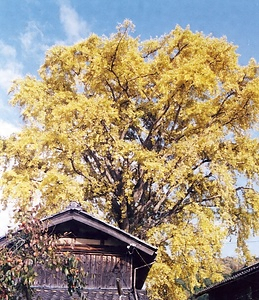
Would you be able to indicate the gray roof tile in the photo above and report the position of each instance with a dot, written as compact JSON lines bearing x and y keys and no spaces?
{"x":46,"y":293}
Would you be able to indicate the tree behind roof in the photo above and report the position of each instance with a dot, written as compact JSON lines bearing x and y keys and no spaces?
{"x":154,"y":134}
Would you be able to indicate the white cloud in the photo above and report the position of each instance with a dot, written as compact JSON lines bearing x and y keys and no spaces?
{"x":6,"y":219}
{"x":8,"y":73}
{"x":10,"y":68}
{"x":6,"y":129}
{"x":75,"y":27}
{"x":6,"y":216}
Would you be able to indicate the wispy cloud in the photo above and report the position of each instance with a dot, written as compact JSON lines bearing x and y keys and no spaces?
{"x":31,"y":34}
{"x":74,"y":26}
{"x":10,"y":67}
{"x":33,"y":40}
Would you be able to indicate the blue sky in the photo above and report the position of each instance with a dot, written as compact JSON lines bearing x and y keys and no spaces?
{"x":30,"y":27}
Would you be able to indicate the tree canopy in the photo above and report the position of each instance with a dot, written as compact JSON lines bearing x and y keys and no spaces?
{"x":157,"y":135}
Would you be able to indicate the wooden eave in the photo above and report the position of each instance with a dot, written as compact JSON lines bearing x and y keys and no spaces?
{"x":86,"y":219}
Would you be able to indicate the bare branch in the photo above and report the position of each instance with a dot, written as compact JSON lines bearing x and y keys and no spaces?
{"x":75,"y":169}
{"x":180,"y":49}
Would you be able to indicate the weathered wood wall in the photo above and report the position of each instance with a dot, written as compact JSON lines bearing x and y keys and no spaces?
{"x":101,"y":271}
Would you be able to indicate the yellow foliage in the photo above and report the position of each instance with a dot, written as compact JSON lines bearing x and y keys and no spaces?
{"x":156,"y":134}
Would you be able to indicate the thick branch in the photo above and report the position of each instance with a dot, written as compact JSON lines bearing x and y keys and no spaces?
{"x":154,"y":126}
{"x":75,"y":169}
{"x":180,"y":49}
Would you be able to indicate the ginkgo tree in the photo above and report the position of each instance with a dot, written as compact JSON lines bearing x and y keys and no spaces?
{"x":158,"y":135}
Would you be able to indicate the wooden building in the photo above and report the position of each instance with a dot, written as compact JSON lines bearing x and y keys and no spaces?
{"x":116,"y":263}
{"x":242,"y":285}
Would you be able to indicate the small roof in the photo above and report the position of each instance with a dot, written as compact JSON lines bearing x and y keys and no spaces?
{"x":235,"y":276}
{"x":75,"y":212}
{"x":143,"y":253}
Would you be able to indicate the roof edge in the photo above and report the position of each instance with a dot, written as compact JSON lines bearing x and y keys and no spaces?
{"x":77,"y":212}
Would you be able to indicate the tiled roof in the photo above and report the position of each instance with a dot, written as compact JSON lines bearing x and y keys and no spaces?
{"x":46,"y":293}
{"x":235,"y":276}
